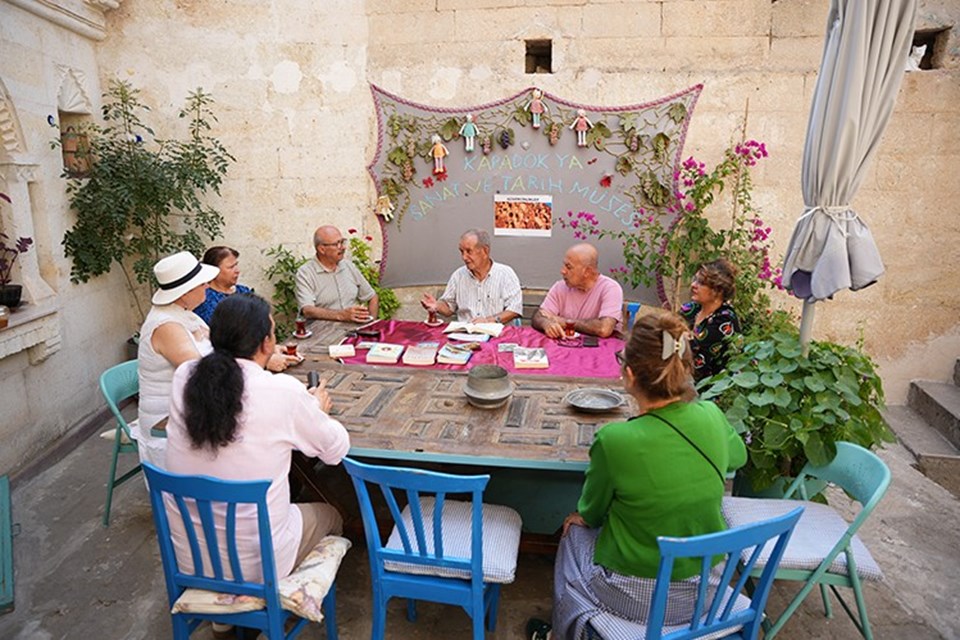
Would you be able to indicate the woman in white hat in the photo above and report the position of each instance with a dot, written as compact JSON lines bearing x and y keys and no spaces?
{"x":171,"y":335}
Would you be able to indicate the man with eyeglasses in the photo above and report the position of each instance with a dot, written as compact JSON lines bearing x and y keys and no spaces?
{"x":331,"y":288}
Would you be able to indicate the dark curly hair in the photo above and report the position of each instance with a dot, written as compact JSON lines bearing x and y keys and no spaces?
{"x":213,"y":396}
{"x":719,"y":275}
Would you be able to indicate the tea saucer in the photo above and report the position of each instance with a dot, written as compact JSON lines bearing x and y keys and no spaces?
{"x":301,"y":336}
{"x":433,"y":324}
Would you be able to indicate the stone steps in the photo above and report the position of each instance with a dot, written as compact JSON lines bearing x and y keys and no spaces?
{"x":929,"y":427}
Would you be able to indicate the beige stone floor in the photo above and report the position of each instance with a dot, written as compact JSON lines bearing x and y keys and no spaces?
{"x":75,"y":579}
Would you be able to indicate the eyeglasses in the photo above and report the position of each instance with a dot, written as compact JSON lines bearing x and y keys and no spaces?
{"x":620,"y":359}
{"x":338,"y":243}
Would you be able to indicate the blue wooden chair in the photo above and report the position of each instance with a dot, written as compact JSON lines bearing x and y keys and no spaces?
{"x":439,"y":550}
{"x":117,"y":384}
{"x":630,"y":315}
{"x":198,"y":494}
{"x":825,"y":550}
{"x":718,"y":612}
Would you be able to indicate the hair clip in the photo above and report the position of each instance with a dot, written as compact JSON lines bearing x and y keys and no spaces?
{"x":673,"y":345}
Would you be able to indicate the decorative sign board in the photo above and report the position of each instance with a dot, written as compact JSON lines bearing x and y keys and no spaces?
{"x":517,"y":168}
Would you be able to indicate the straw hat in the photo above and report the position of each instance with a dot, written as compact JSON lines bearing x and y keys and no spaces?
{"x":178,"y":274}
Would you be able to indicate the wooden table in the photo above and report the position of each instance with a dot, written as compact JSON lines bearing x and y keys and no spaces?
{"x":535,"y":447}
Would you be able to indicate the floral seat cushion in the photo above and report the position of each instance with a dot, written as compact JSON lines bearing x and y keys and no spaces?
{"x":301,"y":592}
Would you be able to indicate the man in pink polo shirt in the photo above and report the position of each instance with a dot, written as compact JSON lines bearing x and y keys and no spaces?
{"x":590,"y":299}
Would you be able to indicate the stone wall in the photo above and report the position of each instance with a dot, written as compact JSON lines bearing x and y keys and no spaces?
{"x":291,"y":84}
{"x":64,"y":335}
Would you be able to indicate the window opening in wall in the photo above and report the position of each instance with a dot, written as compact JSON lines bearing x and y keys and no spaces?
{"x":539,"y":58}
{"x":74,"y":144}
{"x":935,"y":41}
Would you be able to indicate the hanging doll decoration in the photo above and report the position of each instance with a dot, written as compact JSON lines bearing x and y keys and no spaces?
{"x":536,"y":107}
{"x":469,"y":132}
{"x":581,"y":125}
{"x":438,"y":151}
{"x":384,"y":208}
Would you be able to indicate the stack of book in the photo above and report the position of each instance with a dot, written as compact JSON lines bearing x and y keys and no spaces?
{"x":384,"y":353}
{"x":470,"y":332}
{"x":423,"y":354}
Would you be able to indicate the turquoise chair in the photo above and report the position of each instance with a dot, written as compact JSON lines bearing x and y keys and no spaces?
{"x":725,"y":612}
{"x":631,"y":314}
{"x":447,"y":551}
{"x":825,"y":550}
{"x":199,"y":494}
{"x":117,"y":384}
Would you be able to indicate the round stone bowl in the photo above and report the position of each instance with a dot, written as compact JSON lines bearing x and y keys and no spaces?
{"x":488,"y":386}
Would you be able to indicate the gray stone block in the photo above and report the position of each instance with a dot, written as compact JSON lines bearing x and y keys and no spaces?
{"x":939,"y":404}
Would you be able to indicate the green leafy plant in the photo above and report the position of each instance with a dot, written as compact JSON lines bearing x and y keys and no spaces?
{"x":360,"y":253}
{"x":9,"y":254}
{"x":143,"y":197}
{"x":791,"y":408}
{"x":282,"y":273}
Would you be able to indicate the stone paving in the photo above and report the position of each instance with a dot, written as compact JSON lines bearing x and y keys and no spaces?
{"x":75,"y":579}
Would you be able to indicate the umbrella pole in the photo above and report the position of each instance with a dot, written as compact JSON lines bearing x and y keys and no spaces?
{"x":806,"y":326}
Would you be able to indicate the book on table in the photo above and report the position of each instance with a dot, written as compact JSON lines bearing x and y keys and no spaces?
{"x":454,"y":354}
{"x":384,"y":353}
{"x":342,"y":351}
{"x":468,"y":337}
{"x":530,"y":358}
{"x":493,"y":329}
{"x":423,"y":354}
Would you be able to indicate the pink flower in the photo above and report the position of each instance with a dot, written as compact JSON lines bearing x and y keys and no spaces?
{"x":351,"y":231}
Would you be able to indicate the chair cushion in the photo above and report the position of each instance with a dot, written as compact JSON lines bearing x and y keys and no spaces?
{"x":819,"y":529}
{"x":501,"y":540}
{"x":301,"y":593}
{"x":609,"y":625}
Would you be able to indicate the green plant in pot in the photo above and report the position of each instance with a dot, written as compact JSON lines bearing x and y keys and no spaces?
{"x":143,"y":197}
{"x":791,"y":409}
{"x":10,"y":250}
{"x":282,"y":273}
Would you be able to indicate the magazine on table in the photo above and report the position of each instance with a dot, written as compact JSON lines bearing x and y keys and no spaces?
{"x":422,"y":354}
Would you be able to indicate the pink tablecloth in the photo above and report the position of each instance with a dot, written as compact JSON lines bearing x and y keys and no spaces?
{"x":565,"y":358}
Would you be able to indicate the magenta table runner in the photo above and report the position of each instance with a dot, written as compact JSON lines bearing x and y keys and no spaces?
{"x":566,"y":357}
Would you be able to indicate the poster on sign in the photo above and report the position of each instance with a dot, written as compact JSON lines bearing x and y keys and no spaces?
{"x":522,"y":215}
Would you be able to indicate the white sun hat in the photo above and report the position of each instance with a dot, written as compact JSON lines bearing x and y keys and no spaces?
{"x":178,"y":274}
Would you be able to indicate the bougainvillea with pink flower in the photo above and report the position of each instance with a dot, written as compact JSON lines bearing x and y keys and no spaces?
{"x":664,"y":248}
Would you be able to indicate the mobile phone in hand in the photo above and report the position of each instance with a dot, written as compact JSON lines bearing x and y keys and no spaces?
{"x":313,"y":380}
{"x":591,"y":341}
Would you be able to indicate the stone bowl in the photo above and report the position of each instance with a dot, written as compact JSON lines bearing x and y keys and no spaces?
{"x":488,"y":386}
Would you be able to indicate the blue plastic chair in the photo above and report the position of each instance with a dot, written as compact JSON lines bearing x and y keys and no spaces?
{"x":724,"y":612}
{"x":198,"y":494}
{"x":117,"y":384}
{"x":440,"y":550}
{"x":631,"y":314}
{"x":826,"y":550}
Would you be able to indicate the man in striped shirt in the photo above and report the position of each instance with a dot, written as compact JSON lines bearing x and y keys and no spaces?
{"x":481,"y":290}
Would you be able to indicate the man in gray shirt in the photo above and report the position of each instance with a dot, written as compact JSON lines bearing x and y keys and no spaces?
{"x":331,"y":288}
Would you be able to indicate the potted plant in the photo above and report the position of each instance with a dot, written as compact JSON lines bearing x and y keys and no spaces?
{"x":143,"y":197}
{"x":791,"y":409}
{"x":9,"y":252}
{"x":360,"y":249}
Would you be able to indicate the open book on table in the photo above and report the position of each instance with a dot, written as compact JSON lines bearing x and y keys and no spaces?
{"x":489,"y":328}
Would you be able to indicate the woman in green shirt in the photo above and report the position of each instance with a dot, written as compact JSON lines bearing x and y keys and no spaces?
{"x":661,"y":473}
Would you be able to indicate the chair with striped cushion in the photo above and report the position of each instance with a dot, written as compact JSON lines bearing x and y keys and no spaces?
{"x":440,"y":550}
{"x":825,"y":549}
{"x":717,"y":612}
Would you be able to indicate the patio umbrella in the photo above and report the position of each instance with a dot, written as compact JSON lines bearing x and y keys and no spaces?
{"x":863,"y":63}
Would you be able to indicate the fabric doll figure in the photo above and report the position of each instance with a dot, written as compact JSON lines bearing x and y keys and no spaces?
{"x":469,"y":132}
{"x":581,"y":125}
{"x":536,"y":107}
{"x":439,"y":152}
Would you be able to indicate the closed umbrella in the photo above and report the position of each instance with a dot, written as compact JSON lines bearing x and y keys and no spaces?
{"x":866,"y":49}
